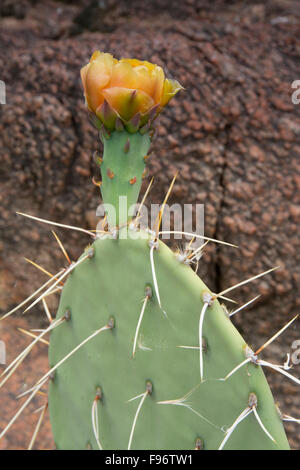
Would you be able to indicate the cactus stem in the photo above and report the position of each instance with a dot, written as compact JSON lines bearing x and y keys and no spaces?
{"x":243,"y":306}
{"x":139,"y":323}
{"x":38,"y":426}
{"x":79,"y":229}
{"x":143,"y":398}
{"x":95,"y":421}
{"x":61,"y":246}
{"x":124,"y":166}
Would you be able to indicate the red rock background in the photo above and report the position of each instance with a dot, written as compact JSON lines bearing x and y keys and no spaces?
{"x":234,"y":136}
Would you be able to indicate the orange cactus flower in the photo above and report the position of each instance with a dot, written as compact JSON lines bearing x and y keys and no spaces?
{"x":129,"y":90}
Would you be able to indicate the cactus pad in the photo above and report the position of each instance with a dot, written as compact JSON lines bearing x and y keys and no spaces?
{"x":114,"y":283}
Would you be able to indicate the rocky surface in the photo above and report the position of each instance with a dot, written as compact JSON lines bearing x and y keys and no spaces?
{"x":233,"y":134}
{"x":20,"y":434}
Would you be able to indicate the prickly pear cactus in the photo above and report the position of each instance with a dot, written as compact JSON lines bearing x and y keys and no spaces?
{"x":142,"y":354}
{"x":151,"y":376}
{"x":113,"y":283}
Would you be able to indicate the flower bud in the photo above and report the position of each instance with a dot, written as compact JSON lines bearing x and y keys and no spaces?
{"x":129,"y":90}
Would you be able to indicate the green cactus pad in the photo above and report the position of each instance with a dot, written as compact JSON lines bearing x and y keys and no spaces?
{"x":114,"y":283}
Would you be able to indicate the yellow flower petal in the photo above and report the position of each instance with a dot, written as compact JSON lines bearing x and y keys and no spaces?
{"x":132,"y":62}
{"x":136,"y":63}
{"x":149,"y":65}
{"x":127,"y":102}
{"x":97,"y":77}
{"x":83,"y":73}
{"x":171,"y":87}
{"x":158,"y":78}
{"x":107,"y":59}
{"x":123,"y":75}
{"x":150,"y":81}
{"x":95,"y":55}
{"x":143,"y":79}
